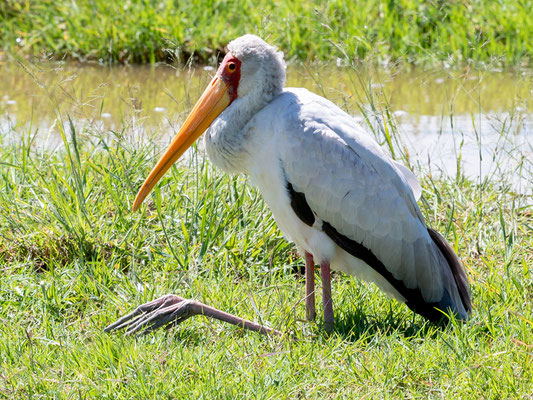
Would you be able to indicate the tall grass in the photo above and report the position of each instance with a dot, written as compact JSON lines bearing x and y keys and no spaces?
{"x":74,"y":257}
{"x":149,"y":31}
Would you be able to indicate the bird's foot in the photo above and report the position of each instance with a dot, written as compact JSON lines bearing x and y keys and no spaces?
{"x":171,"y":308}
{"x":154,"y":314}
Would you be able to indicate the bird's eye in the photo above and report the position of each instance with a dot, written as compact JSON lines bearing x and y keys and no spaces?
{"x":232,"y":66}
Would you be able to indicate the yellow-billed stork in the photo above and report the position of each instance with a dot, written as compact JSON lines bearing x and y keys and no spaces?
{"x":331,"y":189}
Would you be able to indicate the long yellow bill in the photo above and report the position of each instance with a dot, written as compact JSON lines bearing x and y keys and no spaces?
{"x":214,"y":100}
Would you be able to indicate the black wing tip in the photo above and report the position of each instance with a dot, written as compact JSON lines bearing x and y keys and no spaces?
{"x":437,"y":313}
{"x":456,"y":267}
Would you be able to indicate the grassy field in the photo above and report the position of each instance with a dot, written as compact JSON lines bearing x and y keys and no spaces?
{"x":74,"y":258}
{"x":149,"y":31}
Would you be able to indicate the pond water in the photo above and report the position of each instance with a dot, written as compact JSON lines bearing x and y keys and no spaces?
{"x":483,"y":115}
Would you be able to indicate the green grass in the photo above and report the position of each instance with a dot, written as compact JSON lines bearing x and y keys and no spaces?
{"x":74,"y":258}
{"x":148,"y":31}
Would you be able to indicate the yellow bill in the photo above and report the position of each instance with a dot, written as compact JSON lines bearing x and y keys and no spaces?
{"x":214,"y":100}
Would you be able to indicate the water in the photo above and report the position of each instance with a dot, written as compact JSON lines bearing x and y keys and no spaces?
{"x":485,"y":117}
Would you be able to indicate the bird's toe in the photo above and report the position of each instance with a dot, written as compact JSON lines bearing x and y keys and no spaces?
{"x":147,"y":313}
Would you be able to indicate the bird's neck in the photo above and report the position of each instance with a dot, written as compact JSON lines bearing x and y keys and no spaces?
{"x":229,"y":142}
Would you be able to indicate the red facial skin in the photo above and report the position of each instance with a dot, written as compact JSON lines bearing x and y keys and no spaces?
{"x":230,"y":72}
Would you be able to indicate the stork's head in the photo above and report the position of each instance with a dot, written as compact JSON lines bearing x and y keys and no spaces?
{"x":260,"y":67}
{"x":251,"y":71}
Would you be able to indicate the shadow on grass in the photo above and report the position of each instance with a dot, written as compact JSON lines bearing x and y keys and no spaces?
{"x":355,"y":326}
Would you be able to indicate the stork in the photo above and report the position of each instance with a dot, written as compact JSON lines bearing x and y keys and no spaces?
{"x":331,"y":189}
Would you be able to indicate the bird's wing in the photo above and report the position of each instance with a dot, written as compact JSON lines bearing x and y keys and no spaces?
{"x":352,"y":185}
{"x":410,"y":178}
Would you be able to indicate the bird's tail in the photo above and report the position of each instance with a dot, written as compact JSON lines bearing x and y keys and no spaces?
{"x":458,"y":273}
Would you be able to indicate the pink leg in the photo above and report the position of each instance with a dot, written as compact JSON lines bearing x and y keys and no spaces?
{"x":326,"y":296}
{"x":310,"y":312}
